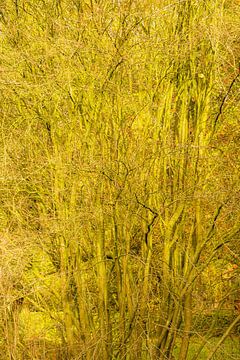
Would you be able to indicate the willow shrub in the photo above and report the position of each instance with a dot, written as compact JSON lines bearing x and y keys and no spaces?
{"x":110,"y":110}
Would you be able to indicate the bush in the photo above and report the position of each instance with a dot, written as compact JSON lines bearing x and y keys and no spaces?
{"x":214,"y":323}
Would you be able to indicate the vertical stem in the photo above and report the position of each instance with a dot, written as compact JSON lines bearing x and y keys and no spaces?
{"x":187,"y":304}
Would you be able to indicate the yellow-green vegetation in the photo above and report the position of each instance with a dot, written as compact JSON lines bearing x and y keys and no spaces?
{"x":119,"y":174}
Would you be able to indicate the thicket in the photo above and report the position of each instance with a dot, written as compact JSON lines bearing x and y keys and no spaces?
{"x":119,"y":176}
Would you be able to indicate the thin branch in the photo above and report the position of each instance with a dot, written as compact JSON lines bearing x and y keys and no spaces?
{"x":150,"y":225}
{"x":223,"y":102}
{"x":216,"y":216}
